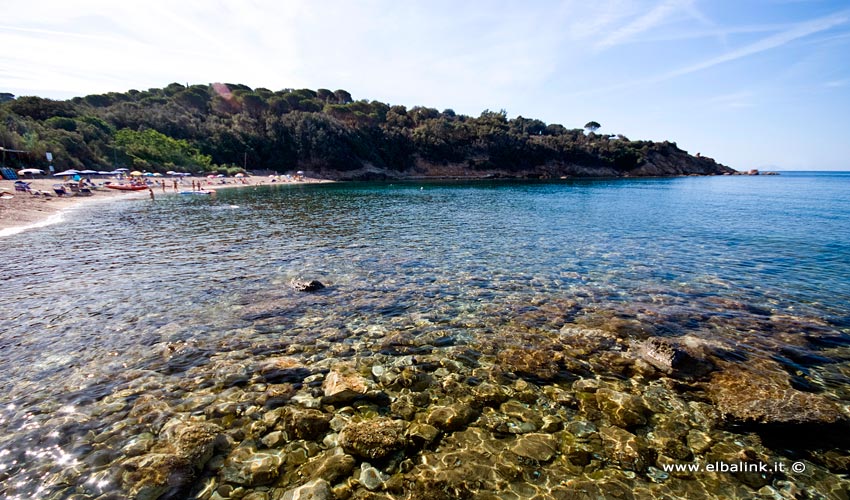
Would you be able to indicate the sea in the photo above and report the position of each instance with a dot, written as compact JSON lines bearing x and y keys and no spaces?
{"x":130,"y":317}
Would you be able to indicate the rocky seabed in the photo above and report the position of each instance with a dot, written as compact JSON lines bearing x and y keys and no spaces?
{"x":591,"y":410}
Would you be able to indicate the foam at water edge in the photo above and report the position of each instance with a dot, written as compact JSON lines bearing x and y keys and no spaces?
{"x":60,"y":216}
{"x":53,"y":219}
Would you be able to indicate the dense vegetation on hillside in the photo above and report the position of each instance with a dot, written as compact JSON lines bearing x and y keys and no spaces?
{"x":227,"y":126}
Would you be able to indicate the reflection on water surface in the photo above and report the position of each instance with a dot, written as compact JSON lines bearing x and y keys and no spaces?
{"x":507,"y":340}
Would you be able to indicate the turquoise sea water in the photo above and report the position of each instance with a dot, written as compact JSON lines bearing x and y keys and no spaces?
{"x":154,"y":297}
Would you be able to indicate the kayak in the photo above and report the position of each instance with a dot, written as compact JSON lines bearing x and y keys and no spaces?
{"x":126,"y":187}
{"x":198,"y":192}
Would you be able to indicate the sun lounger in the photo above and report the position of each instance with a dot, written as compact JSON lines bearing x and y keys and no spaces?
{"x":8,"y":173}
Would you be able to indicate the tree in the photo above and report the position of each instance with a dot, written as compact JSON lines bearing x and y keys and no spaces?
{"x":342,"y":96}
{"x":150,"y":148}
{"x":592,"y":126}
{"x":41,"y":109}
{"x":198,"y":126}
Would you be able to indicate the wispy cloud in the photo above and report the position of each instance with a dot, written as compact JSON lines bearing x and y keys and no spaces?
{"x":656,"y":16}
{"x":795,"y":32}
{"x":837,"y":83}
{"x":721,"y":33}
{"x":736,"y":100}
{"x":789,"y":34}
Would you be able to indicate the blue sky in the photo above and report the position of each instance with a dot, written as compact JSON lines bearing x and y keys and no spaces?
{"x":751,"y":83}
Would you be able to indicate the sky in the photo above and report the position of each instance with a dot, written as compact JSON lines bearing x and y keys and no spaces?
{"x":752,"y":83}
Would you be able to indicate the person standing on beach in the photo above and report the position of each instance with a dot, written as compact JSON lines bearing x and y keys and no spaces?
{"x":151,"y":192}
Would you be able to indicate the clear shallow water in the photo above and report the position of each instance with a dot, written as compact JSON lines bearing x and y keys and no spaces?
{"x":141,"y":297}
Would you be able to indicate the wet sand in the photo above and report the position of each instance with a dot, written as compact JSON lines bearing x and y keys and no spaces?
{"x":24,"y":211}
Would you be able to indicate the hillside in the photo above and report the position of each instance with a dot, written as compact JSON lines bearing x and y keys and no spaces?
{"x":225,"y":127}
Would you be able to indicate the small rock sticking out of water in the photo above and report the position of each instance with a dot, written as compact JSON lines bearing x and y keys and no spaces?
{"x":306,"y":286}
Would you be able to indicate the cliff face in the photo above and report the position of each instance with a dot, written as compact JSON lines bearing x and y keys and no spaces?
{"x":666,"y":162}
{"x":678,"y":162}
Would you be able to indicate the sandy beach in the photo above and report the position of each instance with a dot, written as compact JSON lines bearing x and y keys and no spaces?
{"x":41,"y":206}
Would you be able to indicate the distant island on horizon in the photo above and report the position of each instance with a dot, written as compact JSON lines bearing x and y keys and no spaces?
{"x":229,"y":128}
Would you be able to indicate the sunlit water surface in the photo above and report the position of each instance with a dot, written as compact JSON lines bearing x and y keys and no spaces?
{"x":93,"y":306}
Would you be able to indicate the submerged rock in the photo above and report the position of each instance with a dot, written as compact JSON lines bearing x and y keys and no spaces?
{"x":150,"y":476}
{"x":276,"y":395}
{"x":371,"y":478}
{"x":581,"y":428}
{"x":734,"y":455}
{"x":317,"y":489}
{"x":673,"y":358}
{"x":249,"y":467}
{"x":331,"y":467}
{"x":460,"y":474}
{"x":626,"y":449}
{"x":581,"y":450}
{"x":540,"y":447}
{"x":422,"y":435}
{"x":373,"y":439}
{"x":344,"y":385}
{"x":300,"y":423}
{"x":451,"y":418}
{"x":183,"y":448}
{"x":537,"y":363}
{"x":748,"y":396}
{"x":487,"y":394}
{"x":306,"y":286}
{"x":283,"y":369}
{"x":623,"y":410}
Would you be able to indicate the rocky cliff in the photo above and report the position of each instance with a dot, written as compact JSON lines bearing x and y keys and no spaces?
{"x":666,"y":162}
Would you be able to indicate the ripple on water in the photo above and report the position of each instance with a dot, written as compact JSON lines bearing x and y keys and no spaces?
{"x":525,"y":304}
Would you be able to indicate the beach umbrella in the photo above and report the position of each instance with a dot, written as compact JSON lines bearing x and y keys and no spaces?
{"x":239,"y":175}
{"x":171,"y":172}
{"x":103,"y":172}
{"x":122,"y":169}
{"x":25,"y":171}
{"x":157,"y":174}
{"x":220,"y":175}
{"x":211,"y":176}
{"x":67,"y":172}
{"x":136,"y":173}
{"x":88,"y":172}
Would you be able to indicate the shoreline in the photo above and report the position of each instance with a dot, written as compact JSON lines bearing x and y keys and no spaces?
{"x":25,"y":211}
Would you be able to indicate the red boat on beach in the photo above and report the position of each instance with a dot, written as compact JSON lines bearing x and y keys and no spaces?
{"x":126,"y":187}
